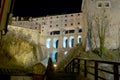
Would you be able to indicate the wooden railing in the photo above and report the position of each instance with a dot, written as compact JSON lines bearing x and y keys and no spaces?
{"x":103,"y":70}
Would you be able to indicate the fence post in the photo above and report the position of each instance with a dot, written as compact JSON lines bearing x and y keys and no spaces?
{"x":116,"y":74}
{"x":73,"y":65}
{"x":85,"y":68}
{"x":78,"y":66}
{"x":96,"y":70}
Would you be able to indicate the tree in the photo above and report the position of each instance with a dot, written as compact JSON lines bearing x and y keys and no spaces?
{"x":101,"y":24}
{"x":98,"y":23}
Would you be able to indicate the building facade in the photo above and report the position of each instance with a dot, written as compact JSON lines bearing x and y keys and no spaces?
{"x":54,"y":34}
{"x":102,"y":13}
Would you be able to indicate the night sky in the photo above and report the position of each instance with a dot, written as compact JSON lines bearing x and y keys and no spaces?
{"x":37,"y":8}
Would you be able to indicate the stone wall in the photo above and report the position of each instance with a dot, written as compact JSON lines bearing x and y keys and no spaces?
{"x":93,"y":8}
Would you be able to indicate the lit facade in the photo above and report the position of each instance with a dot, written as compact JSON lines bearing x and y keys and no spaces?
{"x":56,"y":34}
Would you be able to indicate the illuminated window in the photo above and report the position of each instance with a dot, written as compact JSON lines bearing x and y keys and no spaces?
{"x":65,"y":41}
{"x":54,"y":56}
{"x":71,"y":41}
{"x":48,"y":41}
{"x":55,"y":43}
{"x":79,"y":39}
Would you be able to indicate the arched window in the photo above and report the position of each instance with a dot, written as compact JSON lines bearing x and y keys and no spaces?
{"x":65,"y":41}
{"x":48,"y":43}
{"x":55,"y":43}
{"x":54,"y":56}
{"x":71,"y":41}
{"x":79,"y":39}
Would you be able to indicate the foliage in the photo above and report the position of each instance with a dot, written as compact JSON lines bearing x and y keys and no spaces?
{"x":15,"y":51}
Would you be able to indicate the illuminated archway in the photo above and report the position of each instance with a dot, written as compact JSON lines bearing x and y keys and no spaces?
{"x":54,"y":56}
{"x":65,"y":41}
{"x":79,"y":39}
{"x":48,"y":43}
{"x":55,"y":43}
{"x":71,"y":41}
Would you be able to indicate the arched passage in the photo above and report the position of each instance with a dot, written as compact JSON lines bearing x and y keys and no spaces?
{"x":55,"y":42}
{"x":65,"y":41}
{"x":48,"y":42}
{"x":79,"y":39}
{"x":54,"y":56}
{"x":71,"y":41}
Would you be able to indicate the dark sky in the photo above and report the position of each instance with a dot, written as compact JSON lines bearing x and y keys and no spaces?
{"x":37,"y":8}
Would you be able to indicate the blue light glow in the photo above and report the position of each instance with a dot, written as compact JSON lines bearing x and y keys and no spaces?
{"x":48,"y":43}
{"x":79,"y":39}
{"x":55,"y":43}
{"x":54,"y":57}
{"x":65,"y":42}
{"x":71,"y":41}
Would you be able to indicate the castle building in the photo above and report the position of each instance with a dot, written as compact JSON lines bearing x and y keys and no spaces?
{"x":59,"y":33}
{"x":55,"y":34}
{"x":102,"y":14}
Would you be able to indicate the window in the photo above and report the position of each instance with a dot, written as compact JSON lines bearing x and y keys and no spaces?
{"x":78,"y":14}
{"x":57,"y":25}
{"x":50,"y":17}
{"x":71,"y":24}
{"x":107,"y":4}
{"x":78,"y":23}
{"x":50,"y":21}
{"x":56,"y":32}
{"x":65,"y":20}
{"x":71,"y":15}
{"x":57,"y":17}
{"x":99,"y":4}
{"x":65,"y":24}
{"x":35,"y":27}
{"x":65,"y":15}
{"x":71,"y":31}
{"x":50,"y":33}
{"x":66,"y":32}
{"x":80,"y":30}
{"x":50,"y":25}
